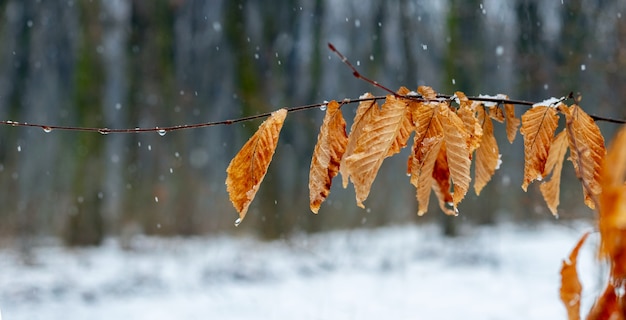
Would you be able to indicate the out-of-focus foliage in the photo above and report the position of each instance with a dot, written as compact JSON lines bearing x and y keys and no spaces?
{"x":610,"y":200}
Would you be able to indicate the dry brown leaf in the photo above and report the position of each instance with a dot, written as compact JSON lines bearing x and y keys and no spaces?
{"x":248,"y":168}
{"x":426,"y":145}
{"x":587,"y":151}
{"x":362,"y":117}
{"x":608,"y":306}
{"x":422,"y":114}
{"x":427,"y":92}
{"x":551,"y":189}
{"x":612,"y":226}
{"x":467,"y":114}
{"x":397,"y":110}
{"x":612,"y":211}
{"x":457,"y":151}
{"x":512,"y":123}
{"x":386,"y":132}
{"x":496,"y":113}
{"x":422,"y":179}
{"x":538,"y":126}
{"x":571,"y":288}
{"x":331,"y":144}
{"x":441,"y":183}
{"x":487,"y":155}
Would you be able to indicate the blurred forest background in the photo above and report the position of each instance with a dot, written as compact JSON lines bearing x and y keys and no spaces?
{"x":133,"y":63}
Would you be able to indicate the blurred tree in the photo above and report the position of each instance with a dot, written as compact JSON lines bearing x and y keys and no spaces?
{"x":464,"y":61}
{"x":115,"y":25}
{"x":84,"y":224}
{"x":531,"y":50}
{"x":572,"y":50}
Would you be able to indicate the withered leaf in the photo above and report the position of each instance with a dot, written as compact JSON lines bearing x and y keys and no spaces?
{"x":457,"y":151}
{"x":496,"y":113}
{"x":362,"y":117}
{"x":422,"y":114}
{"x":612,"y":203}
{"x":441,"y":183}
{"x":554,"y":164}
{"x":587,"y":150}
{"x":571,"y":288}
{"x":467,"y":114}
{"x":385,"y":133}
{"x":422,"y":178}
{"x":487,"y":155}
{"x":538,"y":126}
{"x":608,"y":306}
{"x":512,"y":122}
{"x":331,"y":144}
{"x":427,"y":92}
{"x":248,"y":168}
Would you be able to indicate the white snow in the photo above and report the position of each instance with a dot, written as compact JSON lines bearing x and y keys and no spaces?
{"x":551,"y":102}
{"x":490,"y":104}
{"x":408,"y":272}
{"x":499,"y":50}
{"x":499,"y":163}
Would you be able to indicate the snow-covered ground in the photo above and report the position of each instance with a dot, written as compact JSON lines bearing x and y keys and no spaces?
{"x":408,"y":272}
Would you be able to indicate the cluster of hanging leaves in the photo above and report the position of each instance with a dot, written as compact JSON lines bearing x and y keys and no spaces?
{"x":447,"y":137}
{"x":611,"y":207}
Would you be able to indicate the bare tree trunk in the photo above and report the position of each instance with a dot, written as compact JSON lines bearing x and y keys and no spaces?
{"x":114,"y":38}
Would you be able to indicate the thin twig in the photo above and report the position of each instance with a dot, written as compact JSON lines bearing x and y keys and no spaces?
{"x":344,"y":59}
{"x":163,"y":130}
{"x":356,"y":72}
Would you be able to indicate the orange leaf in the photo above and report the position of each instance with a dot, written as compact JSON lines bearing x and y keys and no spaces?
{"x":587,"y":150}
{"x":487,"y":155}
{"x":427,"y":92}
{"x":423,"y":178}
{"x":496,"y":113}
{"x":248,"y":168}
{"x":422,"y":115}
{"x":362,"y":117}
{"x":422,"y":112}
{"x":457,"y":151}
{"x":538,"y":126}
{"x":426,"y":148}
{"x":608,"y":306}
{"x":612,"y":203}
{"x":571,"y":288}
{"x":467,"y":114}
{"x":385,"y":133}
{"x":331,"y":144}
{"x":441,"y":185}
{"x":512,"y":123}
{"x":551,"y":189}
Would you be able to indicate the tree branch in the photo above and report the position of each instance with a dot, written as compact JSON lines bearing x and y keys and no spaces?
{"x":163,"y":130}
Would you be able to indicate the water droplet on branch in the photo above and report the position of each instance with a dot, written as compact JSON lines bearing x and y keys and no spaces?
{"x":162,"y":132}
{"x":47,"y":129}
